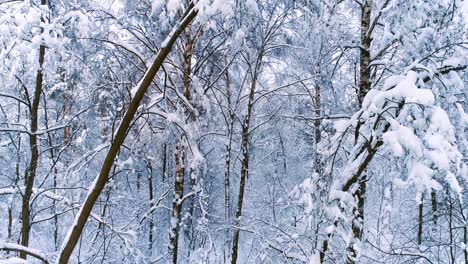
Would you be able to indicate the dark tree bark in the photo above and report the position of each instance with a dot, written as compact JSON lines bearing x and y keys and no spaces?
{"x":420,"y":220}
{"x":151,"y":204}
{"x":434,"y":206}
{"x":34,"y":149}
{"x":245,"y":157}
{"x":164,"y":163}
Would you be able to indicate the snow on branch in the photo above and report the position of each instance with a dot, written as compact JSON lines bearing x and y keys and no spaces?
{"x":19,"y":248}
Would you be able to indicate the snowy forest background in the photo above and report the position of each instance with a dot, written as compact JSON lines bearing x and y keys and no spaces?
{"x":233,"y":131}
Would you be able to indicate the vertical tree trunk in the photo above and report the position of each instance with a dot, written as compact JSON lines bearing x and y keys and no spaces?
{"x":189,"y":48}
{"x":164,"y":163}
{"x":227,"y":178}
{"x":227,"y":169}
{"x":465,"y":234}
{"x":318,"y":113}
{"x":434,"y":206}
{"x":364,"y":87}
{"x":56,"y":225}
{"x":52,"y":157}
{"x":451,"y":228}
{"x":17,"y":178}
{"x":318,"y":132}
{"x":10,"y":223}
{"x":227,"y":172}
{"x":420,"y":219}
{"x":66,"y":130}
{"x":245,"y":158}
{"x":465,"y":241}
{"x":34,"y":149}
{"x":190,"y":221}
{"x":151,"y":204}
{"x":240,"y":202}
{"x":364,"y":56}
{"x":178,"y":199}
{"x":181,"y":152}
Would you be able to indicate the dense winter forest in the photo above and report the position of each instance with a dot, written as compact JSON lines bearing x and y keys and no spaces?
{"x":233,"y":131}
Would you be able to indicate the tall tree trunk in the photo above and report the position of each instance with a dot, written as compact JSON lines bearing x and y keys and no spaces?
{"x":189,"y":48}
{"x":420,"y":219}
{"x":245,"y":158}
{"x":434,"y":206}
{"x":52,"y":158}
{"x":465,"y":233}
{"x":99,"y":183}
{"x":364,"y":56}
{"x":151,"y":204}
{"x":10,"y":222}
{"x":178,"y":199}
{"x":181,"y":152}
{"x":243,"y":179}
{"x":364,"y":87}
{"x":164,"y":163}
{"x":17,"y":179}
{"x":317,"y":124}
{"x":227,"y":175}
{"x":66,"y":130}
{"x":190,"y":221}
{"x":227,"y":168}
{"x":34,"y":149}
{"x":227,"y":172}
{"x":450,"y":226}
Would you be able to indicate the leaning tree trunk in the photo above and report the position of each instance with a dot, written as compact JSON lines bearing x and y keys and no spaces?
{"x":99,"y":183}
{"x":34,"y":149}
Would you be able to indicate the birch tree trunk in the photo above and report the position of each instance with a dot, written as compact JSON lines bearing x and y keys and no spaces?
{"x":364,"y":87}
{"x":181,"y":151}
{"x":227,"y":169}
{"x":180,"y":158}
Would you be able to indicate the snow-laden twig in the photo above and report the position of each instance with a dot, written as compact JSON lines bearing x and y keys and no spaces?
{"x":19,"y":248}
